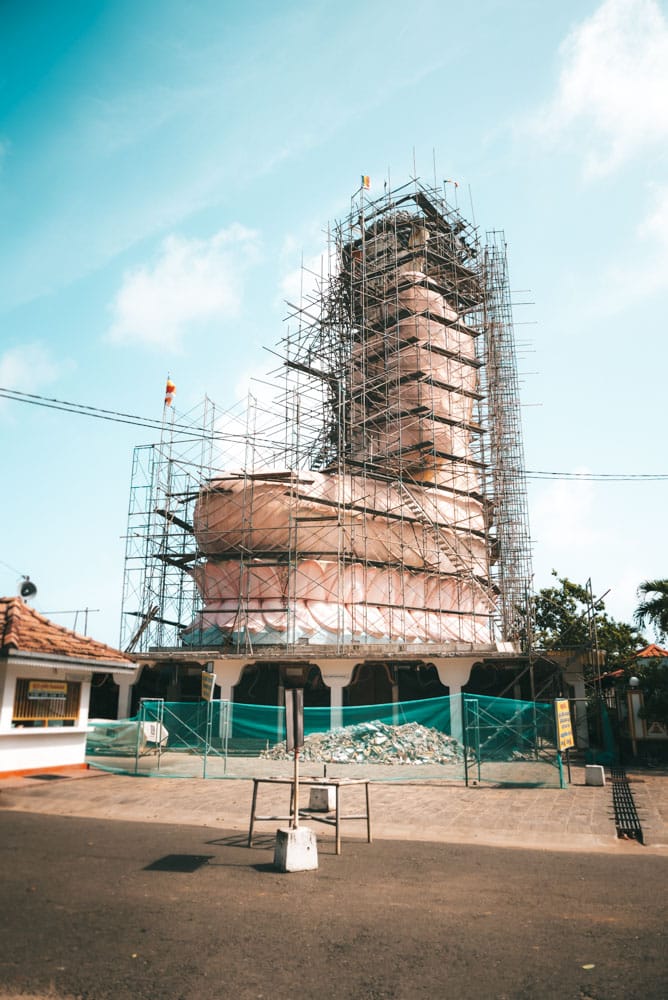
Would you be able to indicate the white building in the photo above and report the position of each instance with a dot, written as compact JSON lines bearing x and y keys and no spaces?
{"x":45,"y":679}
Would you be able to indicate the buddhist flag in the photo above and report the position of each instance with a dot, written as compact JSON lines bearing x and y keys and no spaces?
{"x":170,"y":389}
{"x":366,"y":182}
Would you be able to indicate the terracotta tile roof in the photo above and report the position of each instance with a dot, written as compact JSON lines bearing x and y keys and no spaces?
{"x":26,"y":631}
{"x":652,"y":650}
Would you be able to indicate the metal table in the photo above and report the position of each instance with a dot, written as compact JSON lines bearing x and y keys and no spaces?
{"x":335,"y":820}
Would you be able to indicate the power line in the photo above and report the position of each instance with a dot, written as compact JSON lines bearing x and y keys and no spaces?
{"x":89,"y":411}
{"x":12,"y":568}
{"x":116,"y":416}
{"x":603,"y":477}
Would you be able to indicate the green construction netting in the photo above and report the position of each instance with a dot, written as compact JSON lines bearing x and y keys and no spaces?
{"x":463,"y":737}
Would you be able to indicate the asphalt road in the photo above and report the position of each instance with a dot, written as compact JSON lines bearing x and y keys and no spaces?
{"x":109,"y":910}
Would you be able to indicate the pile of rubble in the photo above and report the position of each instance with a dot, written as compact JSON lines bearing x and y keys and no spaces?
{"x":376,"y":743}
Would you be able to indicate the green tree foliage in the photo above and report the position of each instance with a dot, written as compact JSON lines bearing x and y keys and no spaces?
{"x":653,"y":673}
{"x":653,"y":607}
{"x":563,"y":618}
{"x":653,"y":676}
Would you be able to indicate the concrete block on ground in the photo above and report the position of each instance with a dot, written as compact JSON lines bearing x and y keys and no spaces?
{"x":296,"y":850}
{"x":594,"y":774}
{"x":323,"y":798}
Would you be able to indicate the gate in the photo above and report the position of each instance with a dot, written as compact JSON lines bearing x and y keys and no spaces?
{"x":510,"y":742}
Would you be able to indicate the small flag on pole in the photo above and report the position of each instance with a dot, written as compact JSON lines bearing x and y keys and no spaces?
{"x":456,"y":183}
{"x":170,"y":389}
{"x":366,"y":182}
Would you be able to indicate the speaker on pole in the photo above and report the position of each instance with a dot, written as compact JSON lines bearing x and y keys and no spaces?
{"x":27,"y":588}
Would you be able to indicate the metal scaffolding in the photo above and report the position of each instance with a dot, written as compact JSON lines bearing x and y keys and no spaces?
{"x":511,"y":538}
{"x":380,"y":498}
{"x":159,"y":594}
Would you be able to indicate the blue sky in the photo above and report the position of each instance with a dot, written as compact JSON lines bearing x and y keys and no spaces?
{"x":164,"y":165}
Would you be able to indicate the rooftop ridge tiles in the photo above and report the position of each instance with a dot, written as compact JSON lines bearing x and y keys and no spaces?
{"x":652,"y":651}
{"x":26,"y":630}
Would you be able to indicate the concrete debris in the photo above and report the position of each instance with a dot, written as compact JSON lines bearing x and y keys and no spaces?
{"x":375,"y":743}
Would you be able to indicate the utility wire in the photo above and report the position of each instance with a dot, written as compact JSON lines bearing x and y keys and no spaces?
{"x":12,"y":568}
{"x":134,"y":420}
{"x":88,"y":411}
{"x":593,"y":477}
{"x":114,"y":416}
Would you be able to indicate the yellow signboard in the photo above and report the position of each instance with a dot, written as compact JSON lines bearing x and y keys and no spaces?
{"x":208,"y":684}
{"x":564,"y":728}
{"x":47,"y":690}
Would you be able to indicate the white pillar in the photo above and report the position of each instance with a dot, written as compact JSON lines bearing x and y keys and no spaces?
{"x":455,"y":673}
{"x":7,"y":689}
{"x":84,"y":702}
{"x":336,"y":686}
{"x":227,"y":675}
{"x":456,"y":715}
{"x":336,"y":674}
{"x":637,"y":726}
{"x":225,"y":684}
{"x":125,"y":682}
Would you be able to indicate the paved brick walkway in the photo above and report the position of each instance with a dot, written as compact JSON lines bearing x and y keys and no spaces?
{"x":650,"y":794}
{"x":183,"y":765}
{"x":574,"y":818}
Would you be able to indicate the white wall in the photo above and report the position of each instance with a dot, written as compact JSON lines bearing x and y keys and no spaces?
{"x":43,"y":748}
{"x":40,"y":747}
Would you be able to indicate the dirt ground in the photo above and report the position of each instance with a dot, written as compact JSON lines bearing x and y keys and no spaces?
{"x":98,"y":909}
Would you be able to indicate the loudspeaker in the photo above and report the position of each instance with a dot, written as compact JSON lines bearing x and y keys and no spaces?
{"x":27,"y":588}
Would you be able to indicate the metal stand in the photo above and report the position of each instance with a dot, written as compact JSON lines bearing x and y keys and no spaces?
{"x":293,"y":817}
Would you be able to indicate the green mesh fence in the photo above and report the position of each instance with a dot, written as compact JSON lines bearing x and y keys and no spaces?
{"x":502,"y":732}
{"x":461,"y":738}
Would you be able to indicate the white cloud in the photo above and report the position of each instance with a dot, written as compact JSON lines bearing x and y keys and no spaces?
{"x":655,"y":225}
{"x":193,"y":281}
{"x":612,"y":96}
{"x":639,"y":272}
{"x":28,"y":368}
{"x":651,"y":274}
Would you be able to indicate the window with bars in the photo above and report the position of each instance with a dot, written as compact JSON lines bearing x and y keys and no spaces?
{"x":45,"y":703}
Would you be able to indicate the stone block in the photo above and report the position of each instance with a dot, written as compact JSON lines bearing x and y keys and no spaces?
{"x":296,"y":850}
{"x":322,"y":799}
{"x":594,"y":774}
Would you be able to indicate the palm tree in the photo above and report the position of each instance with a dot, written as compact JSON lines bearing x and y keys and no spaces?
{"x":653,"y":608}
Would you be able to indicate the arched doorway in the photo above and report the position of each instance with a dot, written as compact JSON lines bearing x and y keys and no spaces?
{"x":171,"y":680}
{"x":371,"y":684}
{"x":262,"y":684}
{"x":420,"y":680}
{"x":383,"y":683}
{"x":258,"y":685}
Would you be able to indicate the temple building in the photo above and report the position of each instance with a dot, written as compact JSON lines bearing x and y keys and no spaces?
{"x":369,"y":528}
